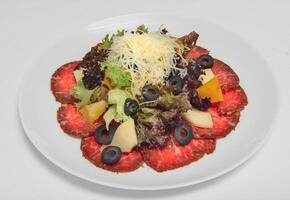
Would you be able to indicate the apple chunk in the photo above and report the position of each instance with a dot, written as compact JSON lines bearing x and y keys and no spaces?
{"x":198,"y":118}
{"x":78,"y":74}
{"x":125,"y":136}
{"x":204,"y":78}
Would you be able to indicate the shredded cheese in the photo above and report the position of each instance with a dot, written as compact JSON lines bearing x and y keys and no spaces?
{"x":149,"y":58}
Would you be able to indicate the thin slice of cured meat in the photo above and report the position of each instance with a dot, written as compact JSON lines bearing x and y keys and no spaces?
{"x":234,"y":100}
{"x":63,"y":81}
{"x":173,"y":155}
{"x":92,"y":151}
{"x":222,"y":125}
{"x":73,"y":123}
{"x":226,"y":76}
{"x":197,"y":51}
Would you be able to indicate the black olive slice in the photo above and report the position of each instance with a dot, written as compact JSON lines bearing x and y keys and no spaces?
{"x":111,"y":155}
{"x":183,"y":134}
{"x":205,"y":61}
{"x":103,"y":136}
{"x":177,"y":82}
{"x":150,"y":93}
{"x":131,"y":107}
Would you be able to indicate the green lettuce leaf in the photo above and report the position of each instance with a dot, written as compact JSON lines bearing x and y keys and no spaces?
{"x":83,"y":94}
{"x":142,"y":29}
{"x":107,"y":42}
{"x":118,"y":97}
{"x":169,"y":102}
{"x":110,"y":115}
{"x":118,"y":76}
{"x":120,"y":33}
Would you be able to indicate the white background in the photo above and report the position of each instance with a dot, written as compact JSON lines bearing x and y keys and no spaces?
{"x":25,"y":26}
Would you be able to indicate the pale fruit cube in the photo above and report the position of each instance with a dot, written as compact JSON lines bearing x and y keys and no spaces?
{"x":125,"y":136}
{"x":93,"y":111}
{"x":78,"y":74}
{"x":198,"y":118}
{"x":204,"y":78}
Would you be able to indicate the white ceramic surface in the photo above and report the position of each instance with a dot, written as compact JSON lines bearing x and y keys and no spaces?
{"x":37,"y":107}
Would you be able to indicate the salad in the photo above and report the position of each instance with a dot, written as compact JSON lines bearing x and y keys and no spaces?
{"x":147,"y":97}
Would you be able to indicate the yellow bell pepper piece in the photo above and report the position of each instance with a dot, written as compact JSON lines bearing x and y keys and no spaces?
{"x":212,"y":90}
{"x":107,"y":82}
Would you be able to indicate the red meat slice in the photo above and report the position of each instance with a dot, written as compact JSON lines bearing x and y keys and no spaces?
{"x":234,"y":100}
{"x":225,"y":74}
{"x":196,"y":51}
{"x":92,"y":151}
{"x":222,"y":125}
{"x":62,"y":81}
{"x":73,"y":123}
{"x":173,"y":155}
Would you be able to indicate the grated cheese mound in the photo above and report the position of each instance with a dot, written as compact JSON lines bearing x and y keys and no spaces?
{"x":148,"y":57}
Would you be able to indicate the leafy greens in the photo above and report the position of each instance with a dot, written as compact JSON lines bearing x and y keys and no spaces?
{"x":116,"y":98}
{"x":119,"y":77}
{"x":83,"y":94}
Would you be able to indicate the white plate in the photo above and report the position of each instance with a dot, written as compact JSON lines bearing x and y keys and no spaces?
{"x":37,"y":107}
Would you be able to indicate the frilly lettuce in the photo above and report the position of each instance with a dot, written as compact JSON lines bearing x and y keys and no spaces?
{"x":83,"y":94}
{"x":116,"y":98}
{"x":142,"y":29}
{"x":107,"y":42}
{"x":118,"y":76}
